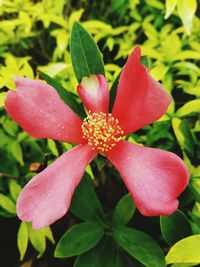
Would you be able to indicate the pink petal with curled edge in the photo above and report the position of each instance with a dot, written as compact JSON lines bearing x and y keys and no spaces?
{"x":140,"y":100}
{"x":94,"y":93}
{"x":46,"y":198}
{"x":154,"y":177}
{"x":38,"y":109}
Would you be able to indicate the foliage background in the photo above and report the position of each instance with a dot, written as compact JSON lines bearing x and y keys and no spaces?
{"x":35,"y":36}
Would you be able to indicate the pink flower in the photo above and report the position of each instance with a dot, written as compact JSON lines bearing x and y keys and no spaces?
{"x":154,"y":177}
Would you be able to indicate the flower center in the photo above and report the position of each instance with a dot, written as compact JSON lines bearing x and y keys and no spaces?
{"x":102,"y":131}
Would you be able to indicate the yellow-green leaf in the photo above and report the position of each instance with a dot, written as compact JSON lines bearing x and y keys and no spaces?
{"x":187,"y":54}
{"x":48,"y":233}
{"x":186,"y":250}
{"x":170,"y":6}
{"x":2,"y":98}
{"x":22,"y":239}
{"x":186,"y":10}
{"x":159,"y":71}
{"x":7,"y":204}
{"x":15,"y":189}
{"x":190,"y":107}
{"x":37,"y":239}
{"x":52,"y":147}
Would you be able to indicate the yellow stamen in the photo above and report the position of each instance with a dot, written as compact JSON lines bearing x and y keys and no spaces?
{"x":102,"y":131}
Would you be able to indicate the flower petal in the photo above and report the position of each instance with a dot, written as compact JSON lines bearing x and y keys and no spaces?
{"x":94,"y":93}
{"x":46,"y":198}
{"x":38,"y":109}
{"x":154,"y":177}
{"x":140,"y":100}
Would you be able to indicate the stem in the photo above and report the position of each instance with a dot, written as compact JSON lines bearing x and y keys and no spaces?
{"x":5,"y":175}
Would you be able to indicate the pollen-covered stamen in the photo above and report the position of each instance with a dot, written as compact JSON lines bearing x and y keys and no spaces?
{"x":102,"y":131}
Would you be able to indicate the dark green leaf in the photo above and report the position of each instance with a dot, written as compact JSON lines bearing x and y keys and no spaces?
{"x":184,"y":135}
{"x":175,"y":227}
{"x":124,"y":210}
{"x":66,"y":96}
{"x":85,"y":203}
{"x":105,"y":254}
{"x":113,"y":92}
{"x":6,"y":214}
{"x":86,"y":58}
{"x":140,"y":246}
{"x":16,"y":150}
{"x":146,"y":61}
{"x":189,"y":141}
{"x":79,"y":239}
{"x":100,"y":162}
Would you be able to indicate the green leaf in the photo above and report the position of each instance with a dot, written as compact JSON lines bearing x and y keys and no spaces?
{"x":22,"y":240}
{"x":15,"y":189}
{"x":100,"y":162}
{"x":195,"y":188}
{"x":105,"y":254}
{"x":66,"y":96}
{"x":117,"y":5}
{"x":7,"y":204}
{"x":192,"y":106}
{"x":113,"y":92}
{"x":140,"y":246}
{"x":85,"y":203}
{"x":185,"y":251}
{"x":146,"y":61}
{"x":10,"y":127}
{"x":79,"y":239}
{"x":17,"y":153}
{"x":6,"y":214}
{"x":124,"y":210}
{"x":86,"y":58}
{"x":175,"y":227}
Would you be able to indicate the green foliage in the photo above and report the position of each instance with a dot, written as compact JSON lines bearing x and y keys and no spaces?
{"x":36,"y":38}
{"x":86,"y":58}
{"x":175,"y":227}
{"x":124,"y":210}
{"x":140,"y":246}
{"x":66,"y":96}
{"x":85,"y":203}
{"x":79,"y":239}
{"x":104,"y":254}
